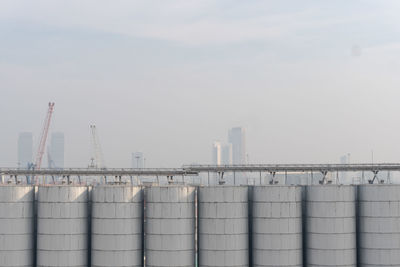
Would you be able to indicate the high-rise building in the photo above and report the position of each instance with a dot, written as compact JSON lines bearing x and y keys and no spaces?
{"x":138,"y":160}
{"x":226,"y":154}
{"x":56,"y":151}
{"x":344,"y":177}
{"x":25,"y":150}
{"x":237,"y":139}
{"x":216,"y":153}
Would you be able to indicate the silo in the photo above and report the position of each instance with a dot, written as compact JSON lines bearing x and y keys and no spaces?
{"x":62,"y":226}
{"x":170,"y":226}
{"x":16,"y":225}
{"x":379,"y":225}
{"x":223,"y":226}
{"x":331,"y":225}
{"x":116,"y":226}
{"x":277,"y":226}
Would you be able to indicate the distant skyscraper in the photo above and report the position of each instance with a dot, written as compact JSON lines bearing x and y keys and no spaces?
{"x":237,"y":139}
{"x":138,"y":160}
{"x":216,"y":153}
{"x":343,"y":159}
{"x":226,"y":154}
{"x":25,"y":150}
{"x":56,"y":151}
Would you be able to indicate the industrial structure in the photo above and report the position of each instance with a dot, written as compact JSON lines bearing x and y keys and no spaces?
{"x":124,"y":225}
{"x":266,"y":173}
{"x":43,"y":137}
{"x":97,"y":160}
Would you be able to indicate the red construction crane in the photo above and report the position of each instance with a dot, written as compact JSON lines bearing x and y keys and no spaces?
{"x":43,"y":138}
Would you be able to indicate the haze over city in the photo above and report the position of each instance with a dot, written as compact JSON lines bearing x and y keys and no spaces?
{"x":310,"y":81}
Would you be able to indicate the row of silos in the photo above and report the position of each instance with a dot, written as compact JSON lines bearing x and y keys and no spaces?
{"x":224,"y":239}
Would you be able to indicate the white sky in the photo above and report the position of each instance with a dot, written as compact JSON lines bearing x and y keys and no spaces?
{"x":309,"y":80}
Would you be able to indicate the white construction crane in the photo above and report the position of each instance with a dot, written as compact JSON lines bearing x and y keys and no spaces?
{"x":97,"y":160}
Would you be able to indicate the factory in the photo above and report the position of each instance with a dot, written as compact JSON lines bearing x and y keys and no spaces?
{"x":180,"y":225}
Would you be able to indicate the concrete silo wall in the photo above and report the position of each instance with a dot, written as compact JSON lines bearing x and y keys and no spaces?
{"x":223,"y":226}
{"x":277,"y":226}
{"x":116,"y":226}
{"x":16,"y":225}
{"x":379,"y":225}
{"x":170,"y":226}
{"x":331,"y":226}
{"x":62,"y":226}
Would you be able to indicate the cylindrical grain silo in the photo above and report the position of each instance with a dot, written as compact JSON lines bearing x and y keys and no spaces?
{"x":62,"y":226}
{"x":223,"y":226}
{"x":116,"y":226}
{"x":170,"y":226}
{"x":331,"y":225}
{"x":16,"y":225}
{"x":379,"y":225}
{"x":277,"y":226}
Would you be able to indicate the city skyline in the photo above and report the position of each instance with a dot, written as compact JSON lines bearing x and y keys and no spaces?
{"x":233,"y":151}
{"x":310,"y":80}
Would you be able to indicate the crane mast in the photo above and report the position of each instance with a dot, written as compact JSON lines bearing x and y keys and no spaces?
{"x":97,"y":159}
{"x":43,"y":138}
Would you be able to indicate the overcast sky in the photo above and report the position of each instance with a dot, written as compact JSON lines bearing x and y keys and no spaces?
{"x":309,"y":80}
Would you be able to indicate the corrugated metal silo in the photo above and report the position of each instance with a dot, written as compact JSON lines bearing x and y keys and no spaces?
{"x":277,"y":226}
{"x":16,"y":225}
{"x":331,"y":225}
{"x":62,"y":226}
{"x":379,"y":225}
{"x":223,"y":226}
{"x":170,"y":226}
{"x":116,"y":226}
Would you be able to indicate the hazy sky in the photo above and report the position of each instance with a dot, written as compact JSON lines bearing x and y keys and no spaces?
{"x":309,"y":80}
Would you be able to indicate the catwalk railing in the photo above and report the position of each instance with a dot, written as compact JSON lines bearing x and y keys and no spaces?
{"x":195,"y":170}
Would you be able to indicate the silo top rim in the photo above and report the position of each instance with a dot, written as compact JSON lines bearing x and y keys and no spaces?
{"x":62,"y":185}
{"x":117,"y":186}
{"x":224,"y":186}
{"x":167,"y":186}
{"x":277,"y":186}
{"x":382,"y":185}
{"x":330,"y":185}
{"x":15,"y":185}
